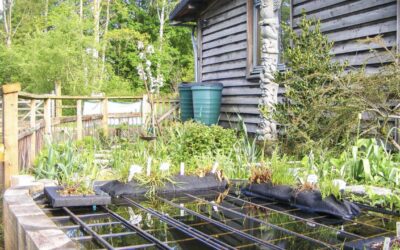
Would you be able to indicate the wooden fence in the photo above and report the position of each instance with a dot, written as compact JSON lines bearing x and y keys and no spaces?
{"x":29,"y":120}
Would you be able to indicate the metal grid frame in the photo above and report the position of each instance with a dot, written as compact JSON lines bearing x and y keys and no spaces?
{"x":231,"y":204}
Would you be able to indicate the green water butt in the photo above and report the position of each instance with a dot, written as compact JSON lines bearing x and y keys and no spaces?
{"x":207,"y":102}
{"x":186,"y":101}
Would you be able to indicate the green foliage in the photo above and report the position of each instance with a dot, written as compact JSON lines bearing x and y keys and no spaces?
{"x":58,"y":45}
{"x":198,"y":146}
{"x":375,"y":95}
{"x":327,"y":187}
{"x":368,"y":162}
{"x":190,"y":139}
{"x":313,"y":114}
{"x":72,"y":167}
{"x":283,"y":172}
{"x":141,"y":23}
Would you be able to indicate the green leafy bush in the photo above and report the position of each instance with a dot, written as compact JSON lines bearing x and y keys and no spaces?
{"x":316,"y":113}
{"x":193,"y":139}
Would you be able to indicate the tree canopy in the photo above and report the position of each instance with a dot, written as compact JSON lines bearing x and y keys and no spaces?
{"x":90,"y":45}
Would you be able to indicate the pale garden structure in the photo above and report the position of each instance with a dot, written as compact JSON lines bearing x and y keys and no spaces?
{"x":269,"y":61}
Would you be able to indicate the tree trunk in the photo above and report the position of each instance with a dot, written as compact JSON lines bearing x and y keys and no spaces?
{"x":96,"y":26}
{"x":103,"y":56}
{"x":81,"y":10}
{"x":7,"y":16}
{"x":161,"y":17}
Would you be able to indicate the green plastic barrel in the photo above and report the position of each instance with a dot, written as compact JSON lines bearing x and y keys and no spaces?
{"x":207,"y":102}
{"x":185,"y":100}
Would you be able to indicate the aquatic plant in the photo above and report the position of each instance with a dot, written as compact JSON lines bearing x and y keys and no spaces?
{"x":73,"y":168}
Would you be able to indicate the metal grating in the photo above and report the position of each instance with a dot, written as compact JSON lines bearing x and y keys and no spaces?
{"x":213,"y":221}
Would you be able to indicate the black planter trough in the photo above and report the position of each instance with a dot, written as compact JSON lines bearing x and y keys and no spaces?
{"x":57,"y":200}
{"x":182,"y":183}
{"x":310,"y":201}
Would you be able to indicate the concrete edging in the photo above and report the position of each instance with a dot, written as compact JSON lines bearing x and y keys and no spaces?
{"x":26,"y":226}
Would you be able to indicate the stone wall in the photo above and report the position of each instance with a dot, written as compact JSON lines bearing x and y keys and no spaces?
{"x":27,"y":227}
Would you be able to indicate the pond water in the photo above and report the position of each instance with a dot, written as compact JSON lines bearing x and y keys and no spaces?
{"x":215,"y":221}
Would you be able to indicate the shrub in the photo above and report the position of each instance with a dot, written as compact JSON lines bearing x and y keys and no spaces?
{"x":192,"y":139}
{"x":316,"y":112}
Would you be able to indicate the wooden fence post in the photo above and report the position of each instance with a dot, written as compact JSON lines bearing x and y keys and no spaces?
{"x":32,"y":150}
{"x":10,"y":131}
{"x":104,"y":121}
{"x":47,"y":118}
{"x":58,"y":101}
{"x":79,"y":125}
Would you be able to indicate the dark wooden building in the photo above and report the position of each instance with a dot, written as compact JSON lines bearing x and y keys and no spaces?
{"x":228,"y":41}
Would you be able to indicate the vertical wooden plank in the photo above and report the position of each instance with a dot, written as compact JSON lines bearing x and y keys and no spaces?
{"x":10,"y":131}
{"x":79,"y":124}
{"x":32,"y":121}
{"x":199,"y":58}
{"x":47,"y":118}
{"x":250,"y":35}
{"x":104,"y":120}
{"x":58,"y":101}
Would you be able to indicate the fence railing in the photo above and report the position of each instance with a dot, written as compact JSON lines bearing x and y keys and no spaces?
{"x":29,"y":120}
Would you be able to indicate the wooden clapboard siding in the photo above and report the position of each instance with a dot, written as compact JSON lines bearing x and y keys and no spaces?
{"x":223,"y":45}
{"x":223,"y":53}
{"x":347,"y":22}
{"x":251,"y":128}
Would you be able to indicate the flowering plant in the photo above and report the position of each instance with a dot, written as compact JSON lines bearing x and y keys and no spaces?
{"x":151,"y":83}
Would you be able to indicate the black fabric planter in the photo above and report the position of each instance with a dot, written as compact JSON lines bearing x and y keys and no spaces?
{"x":277,"y":193}
{"x":310,"y":201}
{"x":57,"y":200}
{"x":182,"y":184}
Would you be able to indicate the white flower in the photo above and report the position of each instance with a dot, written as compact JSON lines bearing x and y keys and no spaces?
{"x":141,"y":55}
{"x":148,"y":63}
{"x":312,"y":179}
{"x":150,"y":49}
{"x":134,"y":169}
{"x":140,"y":45}
{"x":164,"y":166}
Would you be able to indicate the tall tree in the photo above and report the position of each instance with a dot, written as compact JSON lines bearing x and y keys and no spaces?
{"x":163,"y":8}
{"x":7,"y":20}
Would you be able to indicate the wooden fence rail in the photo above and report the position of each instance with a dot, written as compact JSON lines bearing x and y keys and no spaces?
{"x":30,"y":120}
